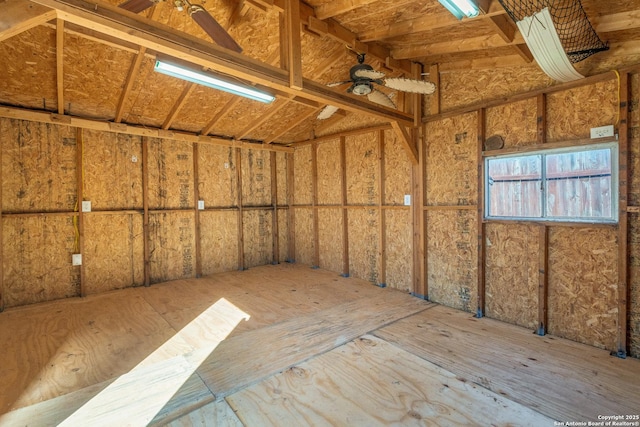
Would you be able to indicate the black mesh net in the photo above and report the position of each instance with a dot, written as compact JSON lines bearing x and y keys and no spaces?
{"x":576,"y":34}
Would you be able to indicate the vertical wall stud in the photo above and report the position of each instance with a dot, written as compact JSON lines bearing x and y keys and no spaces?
{"x":240,"y":210}
{"x":345,"y":216}
{"x":420,"y":265}
{"x":543,"y":280}
{"x":80,"y":215}
{"x":480,"y":217}
{"x":196,"y":198}
{"x":145,"y":204}
{"x":292,"y":212}
{"x":382,"y":229}
{"x":623,"y":236}
{"x":275,"y":232}
{"x":1,"y":233}
{"x":314,"y":207}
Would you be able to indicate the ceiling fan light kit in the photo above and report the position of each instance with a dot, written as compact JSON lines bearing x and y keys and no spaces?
{"x":212,"y":81}
{"x":461,"y":8}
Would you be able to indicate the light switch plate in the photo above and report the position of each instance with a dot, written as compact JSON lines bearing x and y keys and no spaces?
{"x":200,"y":205}
{"x":76,"y":259}
{"x":407,"y":199}
{"x":86,"y":206}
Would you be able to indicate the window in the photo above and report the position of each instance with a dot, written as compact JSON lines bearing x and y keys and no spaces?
{"x":568,"y":184}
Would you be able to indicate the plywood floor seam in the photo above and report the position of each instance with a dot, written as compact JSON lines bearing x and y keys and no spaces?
{"x":289,"y":345}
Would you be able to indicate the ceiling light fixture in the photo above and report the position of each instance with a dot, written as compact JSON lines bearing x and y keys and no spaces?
{"x":461,"y":8}
{"x":209,"y":80}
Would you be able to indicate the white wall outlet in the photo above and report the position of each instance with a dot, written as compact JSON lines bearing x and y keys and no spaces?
{"x":86,"y":206}
{"x":76,"y":259}
{"x":602,"y":132}
{"x":226,"y":165}
{"x":134,"y":159}
{"x":407,"y":199}
{"x":200,"y":205}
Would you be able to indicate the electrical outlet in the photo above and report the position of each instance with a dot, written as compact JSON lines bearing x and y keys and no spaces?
{"x":200,"y":205}
{"x":602,"y":132}
{"x":86,"y":206}
{"x":226,"y":165}
{"x":407,"y":199}
{"x":134,"y":159}
{"x":76,"y":259}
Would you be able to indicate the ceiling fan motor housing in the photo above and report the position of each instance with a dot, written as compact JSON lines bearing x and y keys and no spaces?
{"x":361,"y":85}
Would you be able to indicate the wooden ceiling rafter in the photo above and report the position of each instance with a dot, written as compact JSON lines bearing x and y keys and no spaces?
{"x":284,"y":129}
{"x":319,"y":70}
{"x":177,"y":106}
{"x":22,"y":15}
{"x":161,"y":38}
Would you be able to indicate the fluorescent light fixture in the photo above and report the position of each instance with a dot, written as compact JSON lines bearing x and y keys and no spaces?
{"x":205,"y":79}
{"x":461,"y":8}
{"x":544,"y":43}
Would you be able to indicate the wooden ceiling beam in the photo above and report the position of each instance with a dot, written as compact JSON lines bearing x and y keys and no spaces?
{"x":403,"y":28}
{"x":456,"y":46}
{"x":617,"y":21}
{"x":277,"y":106}
{"x":21,"y":15}
{"x":229,"y":106}
{"x":293,"y":39}
{"x":131,"y":76}
{"x":89,"y":34}
{"x":343,"y":35}
{"x":116,"y":22}
{"x":338,"y":7}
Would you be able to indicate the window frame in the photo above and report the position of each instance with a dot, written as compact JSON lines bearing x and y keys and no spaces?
{"x":612,"y":145}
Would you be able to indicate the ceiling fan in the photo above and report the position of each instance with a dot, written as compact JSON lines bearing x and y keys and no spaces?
{"x":362,"y":79}
{"x":198,"y":13}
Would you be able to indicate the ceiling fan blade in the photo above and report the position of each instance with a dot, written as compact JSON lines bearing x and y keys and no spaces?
{"x":137,"y":6}
{"x":409,"y":85}
{"x":369,"y":74}
{"x":327,"y":112}
{"x":210,"y":26}
{"x":381,"y":98}
{"x":338,"y":83}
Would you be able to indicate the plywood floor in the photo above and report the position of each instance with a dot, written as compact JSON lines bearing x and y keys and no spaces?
{"x":288,"y":345}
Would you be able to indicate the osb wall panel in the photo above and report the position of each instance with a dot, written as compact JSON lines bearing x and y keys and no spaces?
{"x":113,"y":255}
{"x":364,"y":261}
{"x":258,"y":242}
{"x":634,"y":280}
{"x":37,"y":259}
{"x":363,"y":169}
{"x":305,"y":246}
{"x":515,"y":122}
{"x":218,"y":241}
{"x":583,"y":280}
{"x":511,"y":273}
{"x":170,"y":174}
{"x":26,"y":69}
{"x":171,"y":246}
{"x":451,"y":161}
{"x":399,"y":249}
{"x":397,"y":170}
{"x":283,"y":235}
{"x":572,"y":119}
{"x":38,"y":166}
{"x":461,"y":88}
{"x":256,"y":178}
{"x":95,"y":91}
{"x":281,"y":179}
{"x":452,"y":258}
{"x":349,"y":122}
{"x":330,"y":238}
{"x":112,"y":170}
{"x":302,"y":176}
{"x":245,"y":113}
{"x":329,"y":176}
{"x":217,"y":178}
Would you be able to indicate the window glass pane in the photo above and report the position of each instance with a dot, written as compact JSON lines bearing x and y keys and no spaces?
{"x":515,"y":187}
{"x":578,"y":184}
